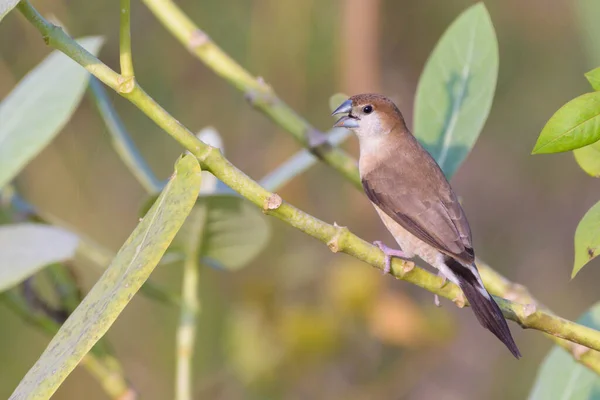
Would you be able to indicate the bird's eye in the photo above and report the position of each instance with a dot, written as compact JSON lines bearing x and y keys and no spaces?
{"x":368,"y":109}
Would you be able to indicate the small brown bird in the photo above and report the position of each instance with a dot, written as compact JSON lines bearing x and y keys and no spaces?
{"x":416,"y":203}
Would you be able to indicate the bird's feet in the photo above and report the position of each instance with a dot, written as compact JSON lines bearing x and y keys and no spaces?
{"x":436,"y":298}
{"x":389,"y":253}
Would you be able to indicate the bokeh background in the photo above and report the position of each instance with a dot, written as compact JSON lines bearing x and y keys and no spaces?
{"x":301,"y":322}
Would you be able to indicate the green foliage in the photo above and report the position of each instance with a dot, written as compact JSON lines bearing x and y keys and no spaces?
{"x":456,"y":88}
{"x":588,"y":158}
{"x":587,"y":238}
{"x":6,"y":6}
{"x":26,"y":248}
{"x":109,"y":296}
{"x":574,"y":125}
{"x":562,"y":377}
{"x":38,"y":108}
{"x":235,"y":231}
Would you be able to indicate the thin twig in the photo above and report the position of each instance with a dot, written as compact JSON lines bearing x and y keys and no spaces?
{"x":338,"y":239}
{"x":190,"y":305}
{"x":125,"y":40}
{"x":256,"y":90}
{"x":122,"y":142}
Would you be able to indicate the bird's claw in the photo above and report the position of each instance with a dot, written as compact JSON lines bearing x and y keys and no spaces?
{"x":389,"y":253}
{"x":436,"y":298}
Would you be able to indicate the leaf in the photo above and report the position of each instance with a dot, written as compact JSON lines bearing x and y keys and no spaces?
{"x":587,"y":238}
{"x":6,"y":6}
{"x":593,"y":78}
{"x":26,"y":248}
{"x":561,"y":377}
{"x":588,"y":158}
{"x":235,"y":231}
{"x":115,"y":288}
{"x":456,"y":88}
{"x":574,"y":125}
{"x":39,"y":107}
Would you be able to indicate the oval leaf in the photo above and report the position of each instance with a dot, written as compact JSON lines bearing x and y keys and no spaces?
{"x":26,"y":248}
{"x":6,"y":6}
{"x":588,"y":158}
{"x":561,"y":377}
{"x":38,"y":108}
{"x":456,"y":88}
{"x":235,"y":232}
{"x":587,"y":238}
{"x":115,"y":288}
{"x":574,"y":125}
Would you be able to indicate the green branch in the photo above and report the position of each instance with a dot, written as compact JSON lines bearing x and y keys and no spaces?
{"x":258,"y":93}
{"x":190,"y":306}
{"x":337,"y":238}
{"x":125,"y":39}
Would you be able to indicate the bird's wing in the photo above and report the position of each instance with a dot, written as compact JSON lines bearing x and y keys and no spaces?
{"x":419,"y":198}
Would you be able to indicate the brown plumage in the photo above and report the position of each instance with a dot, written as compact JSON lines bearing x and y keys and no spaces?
{"x":416,"y":203}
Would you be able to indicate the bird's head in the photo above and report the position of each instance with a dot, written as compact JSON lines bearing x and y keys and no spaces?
{"x":369,"y":116}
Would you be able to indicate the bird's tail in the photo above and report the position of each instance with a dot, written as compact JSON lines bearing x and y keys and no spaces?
{"x":485,"y":308}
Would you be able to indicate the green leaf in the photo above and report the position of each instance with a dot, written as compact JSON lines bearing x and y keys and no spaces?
{"x":39,"y":107}
{"x":574,"y":125}
{"x":562,"y":377}
{"x":26,"y":248}
{"x":587,"y":238}
{"x":456,"y":88}
{"x":235,"y":231}
{"x":593,"y":78}
{"x":6,"y":6}
{"x":588,"y":158}
{"x":109,"y":296}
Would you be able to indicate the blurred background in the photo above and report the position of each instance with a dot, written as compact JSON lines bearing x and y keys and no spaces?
{"x":301,"y":322}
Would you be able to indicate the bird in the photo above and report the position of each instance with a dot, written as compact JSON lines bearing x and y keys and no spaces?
{"x":417,"y":204}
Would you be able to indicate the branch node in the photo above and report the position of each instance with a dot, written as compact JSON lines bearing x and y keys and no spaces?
{"x":125,"y":84}
{"x":334,"y":242}
{"x":316,"y":139}
{"x":206,"y":153}
{"x":260,"y":95}
{"x":197,"y":39}
{"x":579,"y":351}
{"x":515,"y":292}
{"x":529,"y":310}
{"x":460,"y":300}
{"x":273,"y":202}
{"x":407,"y":266}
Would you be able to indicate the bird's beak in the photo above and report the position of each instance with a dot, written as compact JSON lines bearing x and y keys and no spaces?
{"x":347,"y":121}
